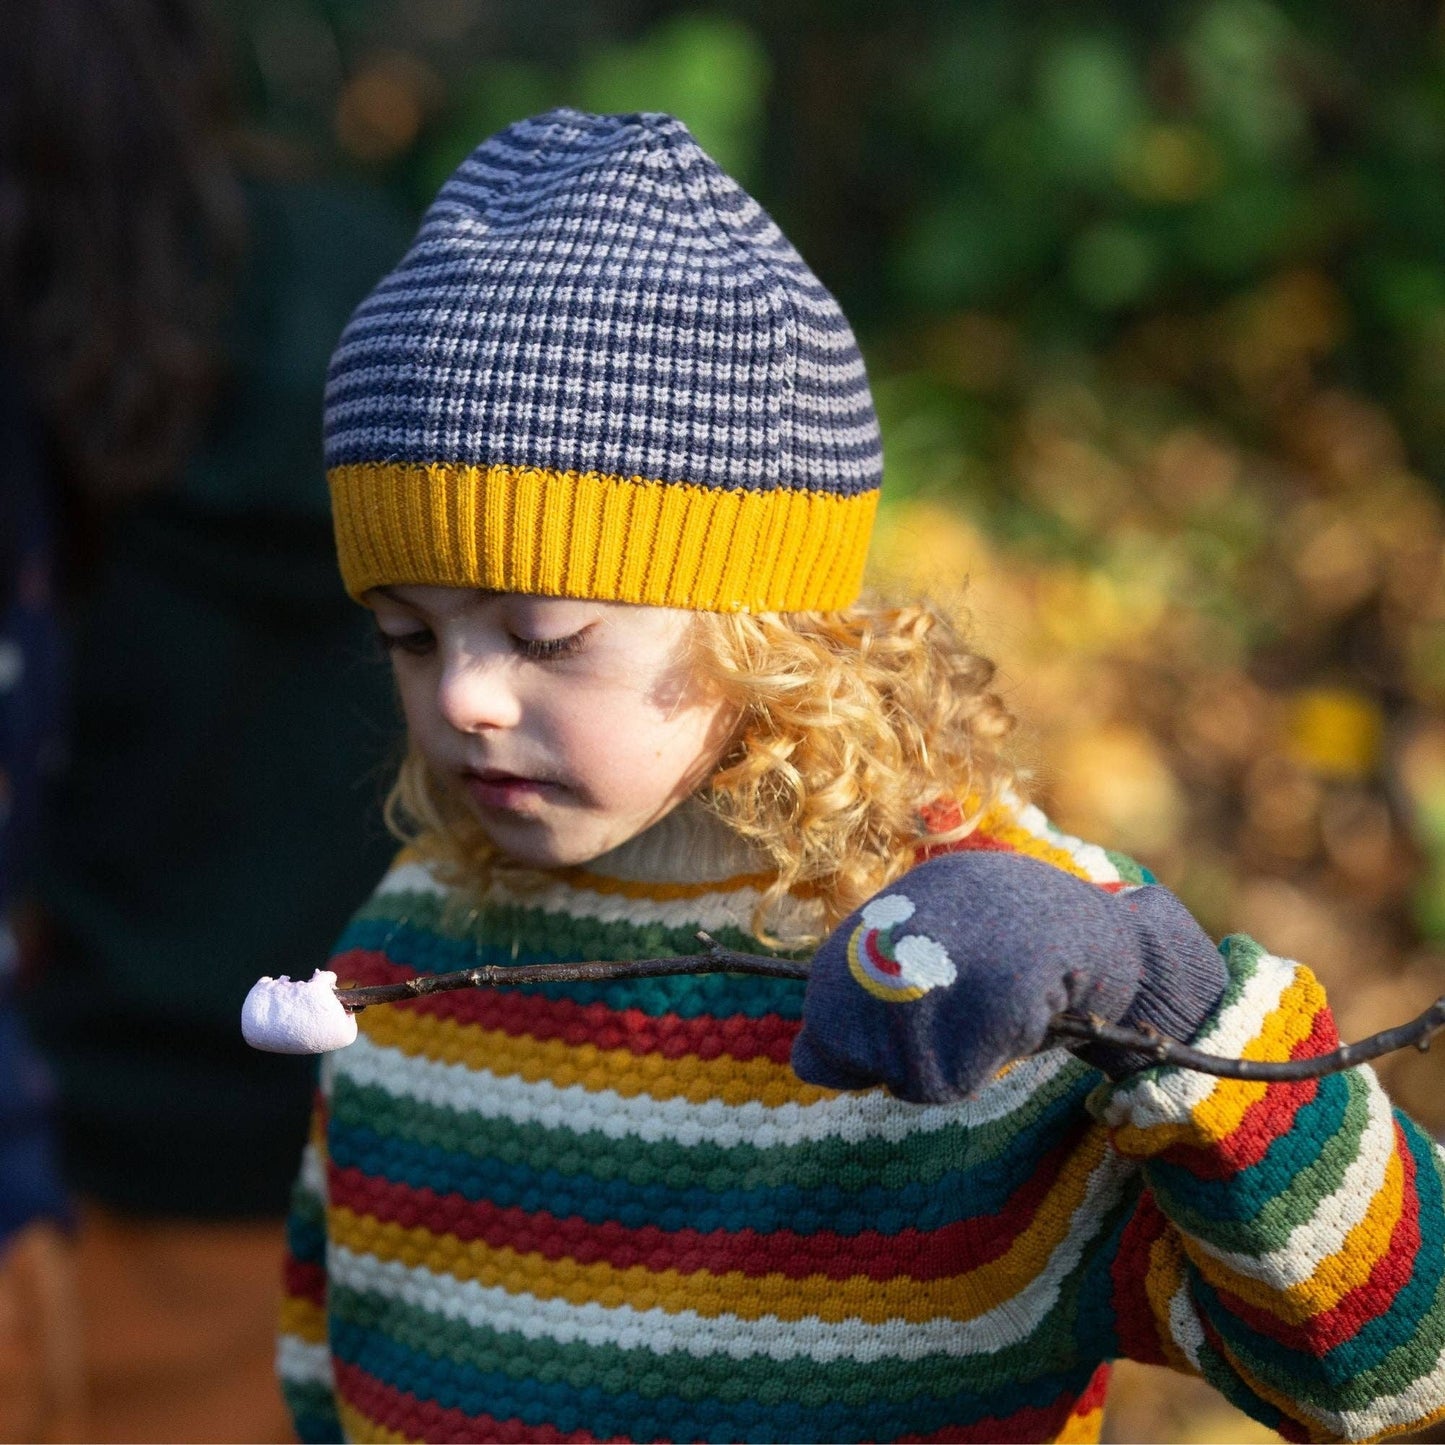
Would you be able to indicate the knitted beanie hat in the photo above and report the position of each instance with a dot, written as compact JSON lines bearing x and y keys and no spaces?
{"x":602,"y":371}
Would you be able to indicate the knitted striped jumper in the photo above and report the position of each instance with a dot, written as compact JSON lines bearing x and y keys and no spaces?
{"x":590,"y":1212}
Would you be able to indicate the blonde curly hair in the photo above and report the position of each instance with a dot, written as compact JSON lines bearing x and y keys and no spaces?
{"x":861,"y":737}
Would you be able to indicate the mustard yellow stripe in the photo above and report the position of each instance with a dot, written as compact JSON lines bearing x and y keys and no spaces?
{"x":749,"y":1296}
{"x":304,"y":1320}
{"x":1223,"y":1109}
{"x":624,"y":539}
{"x":357,"y":1426}
{"x":554,"y":1061}
{"x":1161,"y":1284}
{"x":663,"y":892}
{"x":1001,"y":823}
{"x":1415,"y":1427}
{"x":1336,"y":1275}
{"x":1082,"y":1429}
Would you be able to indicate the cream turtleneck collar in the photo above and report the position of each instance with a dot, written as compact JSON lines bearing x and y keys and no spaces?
{"x":689,"y":845}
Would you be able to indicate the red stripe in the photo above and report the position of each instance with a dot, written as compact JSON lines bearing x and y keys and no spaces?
{"x":924,"y":1255}
{"x":883,"y":965}
{"x":1269,"y":1118}
{"x":418,"y":1419}
{"x":1367,"y":1301}
{"x":1134,"y":1317}
{"x":1033,"y":1422}
{"x":524,"y":1015}
{"x":1093,"y":1396}
{"x":305,"y":1281}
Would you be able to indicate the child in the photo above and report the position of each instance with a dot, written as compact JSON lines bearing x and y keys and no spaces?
{"x":601,"y":377}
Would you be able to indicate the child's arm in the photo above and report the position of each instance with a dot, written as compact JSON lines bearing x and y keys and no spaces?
{"x":303,"y":1357}
{"x":1290,"y":1243}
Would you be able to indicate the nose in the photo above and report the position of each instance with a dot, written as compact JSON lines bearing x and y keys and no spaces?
{"x":476,"y":694}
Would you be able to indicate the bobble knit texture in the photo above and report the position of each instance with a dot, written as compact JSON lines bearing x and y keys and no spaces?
{"x":602,"y":371}
{"x":588,"y":1212}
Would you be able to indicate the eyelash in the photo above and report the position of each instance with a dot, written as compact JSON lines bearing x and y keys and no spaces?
{"x":415,"y":643}
{"x":547,"y":649}
{"x":536,"y":649}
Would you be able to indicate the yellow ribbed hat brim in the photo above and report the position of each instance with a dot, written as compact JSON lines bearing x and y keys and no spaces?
{"x":616,"y":539}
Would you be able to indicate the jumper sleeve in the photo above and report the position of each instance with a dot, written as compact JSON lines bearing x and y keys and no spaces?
{"x":303,"y":1357}
{"x":1290,"y":1243}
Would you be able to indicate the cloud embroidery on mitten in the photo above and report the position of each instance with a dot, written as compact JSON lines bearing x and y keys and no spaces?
{"x":896,"y":970}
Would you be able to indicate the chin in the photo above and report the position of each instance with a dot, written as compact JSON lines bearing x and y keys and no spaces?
{"x":567,"y":848}
{"x":540,"y":850}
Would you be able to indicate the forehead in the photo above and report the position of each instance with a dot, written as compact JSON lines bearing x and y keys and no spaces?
{"x":447,"y":604}
{"x":421,"y":597}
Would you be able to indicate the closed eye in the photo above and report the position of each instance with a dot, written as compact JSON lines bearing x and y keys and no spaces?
{"x":418,"y":643}
{"x":549,"y":649}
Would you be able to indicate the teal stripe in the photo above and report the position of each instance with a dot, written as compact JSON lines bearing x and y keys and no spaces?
{"x":313,"y":1412}
{"x":719,"y":1378}
{"x":306,"y":1227}
{"x":689,"y":996}
{"x":1002,"y":1146}
{"x":1284,"y":1189}
{"x":1392,"y":1350}
{"x":614,"y":1406}
{"x":654,"y":1374}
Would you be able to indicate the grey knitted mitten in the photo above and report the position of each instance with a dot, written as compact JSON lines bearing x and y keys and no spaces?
{"x":956,"y":969}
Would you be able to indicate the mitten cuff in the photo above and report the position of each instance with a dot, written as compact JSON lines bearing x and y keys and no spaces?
{"x":1182,"y":978}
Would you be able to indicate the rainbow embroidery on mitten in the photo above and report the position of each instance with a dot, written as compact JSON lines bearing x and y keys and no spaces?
{"x":896,"y":971}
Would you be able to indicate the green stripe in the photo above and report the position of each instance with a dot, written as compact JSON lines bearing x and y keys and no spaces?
{"x":547,"y":932}
{"x":543,"y":938}
{"x":923,"y":1157}
{"x":1299,"y":1193}
{"x":1129,"y":870}
{"x":313,"y":1410}
{"x":1422,"y":1335}
{"x":836,"y":1163}
{"x":721,"y":1377}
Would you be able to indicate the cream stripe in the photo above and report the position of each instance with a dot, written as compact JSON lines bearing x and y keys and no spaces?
{"x":848,"y":1116}
{"x":312,"y":1177}
{"x":1089,"y":856}
{"x":1387,"y":1413}
{"x":301,"y":1363}
{"x":701,"y":1336}
{"x":1312,"y":1241}
{"x":1184,"y":1325}
{"x":1172,"y":1098}
{"x":711,"y":910}
{"x":1392,"y":1412}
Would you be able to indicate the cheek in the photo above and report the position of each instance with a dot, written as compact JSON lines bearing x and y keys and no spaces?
{"x":635,"y":749}
{"x":418,"y":705}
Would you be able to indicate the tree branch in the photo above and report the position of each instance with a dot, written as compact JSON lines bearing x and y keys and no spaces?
{"x":1066,"y":1030}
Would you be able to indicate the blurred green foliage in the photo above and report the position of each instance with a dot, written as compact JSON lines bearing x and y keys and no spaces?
{"x":1153,"y":297}
{"x":1074,"y":167}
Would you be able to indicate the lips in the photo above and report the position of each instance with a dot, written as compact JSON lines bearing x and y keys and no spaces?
{"x":512,"y":792}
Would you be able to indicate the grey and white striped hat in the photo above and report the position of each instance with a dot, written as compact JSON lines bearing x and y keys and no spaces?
{"x":601,"y":370}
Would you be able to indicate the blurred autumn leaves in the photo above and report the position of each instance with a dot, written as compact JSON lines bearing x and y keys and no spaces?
{"x":1153,"y":296}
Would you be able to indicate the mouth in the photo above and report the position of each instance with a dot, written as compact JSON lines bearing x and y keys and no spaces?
{"x":510,"y":792}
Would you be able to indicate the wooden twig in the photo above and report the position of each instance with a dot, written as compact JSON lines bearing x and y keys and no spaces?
{"x":1067,"y":1030}
{"x":1071,"y":1030}
{"x":714,"y":959}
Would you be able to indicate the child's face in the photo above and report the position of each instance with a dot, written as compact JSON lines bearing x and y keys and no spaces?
{"x":568,"y":726}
